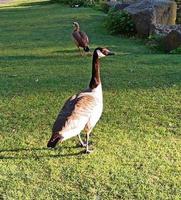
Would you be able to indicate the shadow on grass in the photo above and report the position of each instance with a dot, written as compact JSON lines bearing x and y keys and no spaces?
{"x":74,"y":53}
{"x":31,"y":57}
{"x":32,"y":153}
{"x":67,"y":51}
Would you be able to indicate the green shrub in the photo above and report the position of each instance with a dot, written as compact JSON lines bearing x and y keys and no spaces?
{"x":104,"y":7}
{"x":176,"y":51}
{"x":120,"y":22}
{"x":155,"y":42}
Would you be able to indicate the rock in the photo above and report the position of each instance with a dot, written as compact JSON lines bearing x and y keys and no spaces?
{"x":179,"y":16}
{"x":145,"y":13}
{"x":171,"y":35}
{"x":166,"y":12}
{"x":164,"y":30}
{"x":172,"y":41}
{"x":111,"y":3}
{"x":178,"y":11}
{"x":143,"y":21}
{"x":121,"y":6}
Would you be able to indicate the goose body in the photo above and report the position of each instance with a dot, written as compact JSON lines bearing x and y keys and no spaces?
{"x":83,"y":110}
{"x":80,"y":38}
{"x":80,"y":112}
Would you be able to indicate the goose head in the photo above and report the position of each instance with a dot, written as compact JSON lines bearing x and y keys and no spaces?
{"x":103,"y":52}
{"x":76,"y":25}
{"x":56,"y":137}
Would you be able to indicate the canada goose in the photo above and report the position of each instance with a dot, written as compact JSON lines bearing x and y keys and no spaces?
{"x":80,"y":38}
{"x":83,"y":110}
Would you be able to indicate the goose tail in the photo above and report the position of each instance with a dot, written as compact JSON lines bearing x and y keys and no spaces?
{"x":86,"y":49}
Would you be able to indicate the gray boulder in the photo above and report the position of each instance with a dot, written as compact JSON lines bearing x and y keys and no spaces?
{"x":171,"y":35}
{"x":179,"y":15}
{"x":111,"y":3}
{"x":145,"y":13}
{"x":164,"y":30}
{"x":121,"y":6}
{"x":172,"y":41}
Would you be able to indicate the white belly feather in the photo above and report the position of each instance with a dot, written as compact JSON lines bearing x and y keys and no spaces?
{"x":96,"y":114}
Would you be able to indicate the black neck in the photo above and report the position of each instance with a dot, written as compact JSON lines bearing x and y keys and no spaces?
{"x":95,"y":79}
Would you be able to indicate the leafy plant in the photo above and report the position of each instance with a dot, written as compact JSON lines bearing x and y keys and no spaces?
{"x":155,"y":42}
{"x":120,"y":22}
{"x":104,"y":7}
{"x":176,"y":51}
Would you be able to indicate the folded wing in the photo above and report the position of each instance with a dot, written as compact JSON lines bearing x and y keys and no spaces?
{"x":74,"y":115}
{"x":80,"y":38}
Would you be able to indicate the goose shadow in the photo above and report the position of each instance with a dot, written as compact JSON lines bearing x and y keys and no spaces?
{"x":73,"y":52}
{"x":65,"y":51}
{"x":37,"y":153}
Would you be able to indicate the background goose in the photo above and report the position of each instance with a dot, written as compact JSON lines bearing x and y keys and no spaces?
{"x":81,"y":39}
{"x":83,"y":110}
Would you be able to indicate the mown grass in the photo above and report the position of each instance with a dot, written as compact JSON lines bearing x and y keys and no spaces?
{"x":137,"y":141}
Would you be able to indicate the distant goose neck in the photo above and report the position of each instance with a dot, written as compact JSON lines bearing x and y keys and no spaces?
{"x":77,"y":28}
{"x":95,"y":79}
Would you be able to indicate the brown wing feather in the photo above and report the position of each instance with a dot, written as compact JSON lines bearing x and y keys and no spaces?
{"x":84,"y":37}
{"x":76,"y":108}
{"x":80,"y":38}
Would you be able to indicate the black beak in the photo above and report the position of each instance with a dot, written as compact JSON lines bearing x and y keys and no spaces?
{"x":110,"y":54}
{"x":54,"y":140}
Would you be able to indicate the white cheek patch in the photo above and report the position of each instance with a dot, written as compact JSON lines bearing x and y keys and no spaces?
{"x":100,"y":54}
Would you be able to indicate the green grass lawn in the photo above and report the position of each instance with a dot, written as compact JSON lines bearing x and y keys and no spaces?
{"x":137,"y":143}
